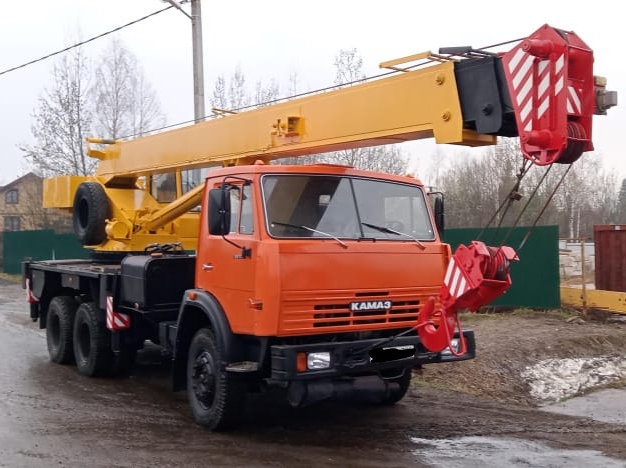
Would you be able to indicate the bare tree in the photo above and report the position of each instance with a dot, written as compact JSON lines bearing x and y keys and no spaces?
{"x":387,"y":159}
{"x":234,"y":95}
{"x":586,"y":197}
{"x":483,"y":188}
{"x":264,"y":94}
{"x":476,"y":187}
{"x":148,"y":115}
{"x":126,"y":103}
{"x":120,"y":103}
{"x":237,"y":95}
{"x":293,"y":83}
{"x":348,"y":67}
{"x":218,"y":100}
{"x":62,"y":121}
{"x":620,"y":209}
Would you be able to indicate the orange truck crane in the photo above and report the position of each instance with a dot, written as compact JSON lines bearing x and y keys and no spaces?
{"x":325,"y":280}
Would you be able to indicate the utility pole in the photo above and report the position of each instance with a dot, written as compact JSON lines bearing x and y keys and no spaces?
{"x":198,"y":66}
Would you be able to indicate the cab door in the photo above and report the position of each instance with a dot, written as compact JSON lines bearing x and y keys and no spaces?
{"x":226,"y":265}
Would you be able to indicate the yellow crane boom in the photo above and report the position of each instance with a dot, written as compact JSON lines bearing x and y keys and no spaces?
{"x":465,"y":97}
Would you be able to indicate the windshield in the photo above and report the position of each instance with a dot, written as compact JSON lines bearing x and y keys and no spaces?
{"x":344,"y":207}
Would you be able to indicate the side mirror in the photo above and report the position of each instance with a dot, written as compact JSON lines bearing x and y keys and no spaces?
{"x":219,"y":210}
{"x":438,"y":209}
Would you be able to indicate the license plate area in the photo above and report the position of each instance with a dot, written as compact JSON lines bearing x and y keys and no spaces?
{"x":391,"y":353}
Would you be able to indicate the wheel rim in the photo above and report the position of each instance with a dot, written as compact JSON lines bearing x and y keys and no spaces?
{"x":84,"y":341}
{"x":203,"y":379}
{"x":55,"y":330}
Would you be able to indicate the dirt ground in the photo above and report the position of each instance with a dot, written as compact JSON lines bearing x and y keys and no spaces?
{"x":510,"y":341}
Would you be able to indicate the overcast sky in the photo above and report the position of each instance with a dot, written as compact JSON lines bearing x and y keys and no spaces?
{"x":270,"y":39}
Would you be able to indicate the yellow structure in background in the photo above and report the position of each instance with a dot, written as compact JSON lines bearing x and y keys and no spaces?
{"x":611,"y":301}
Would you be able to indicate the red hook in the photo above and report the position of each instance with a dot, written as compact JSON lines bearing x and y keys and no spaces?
{"x":437,"y":337}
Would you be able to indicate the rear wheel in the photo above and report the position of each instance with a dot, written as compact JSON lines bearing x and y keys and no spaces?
{"x":59,"y":323}
{"x":92,"y":342}
{"x":216,"y":398}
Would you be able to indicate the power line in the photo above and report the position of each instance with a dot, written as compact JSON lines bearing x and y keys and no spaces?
{"x":85,"y":42}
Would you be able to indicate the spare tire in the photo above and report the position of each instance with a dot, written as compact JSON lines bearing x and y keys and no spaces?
{"x":90,"y":212}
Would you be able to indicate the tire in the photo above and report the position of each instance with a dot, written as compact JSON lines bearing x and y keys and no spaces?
{"x":404,"y":381}
{"x":90,"y":211}
{"x":92,"y":342}
{"x":216,"y":398}
{"x":59,"y":326}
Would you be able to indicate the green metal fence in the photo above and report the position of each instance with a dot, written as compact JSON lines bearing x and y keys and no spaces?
{"x":536,"y":276}
{"x":38,"y":245}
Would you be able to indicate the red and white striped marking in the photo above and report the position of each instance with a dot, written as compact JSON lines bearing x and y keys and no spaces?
{"x":455,"y":280}
{"x":115,"y":320}
{"x":30,"y":297}
{"x":550,"y":77}
{"x":574,"y":105}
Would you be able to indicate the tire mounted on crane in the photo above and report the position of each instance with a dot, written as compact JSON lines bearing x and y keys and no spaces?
{"x":89,"y":214}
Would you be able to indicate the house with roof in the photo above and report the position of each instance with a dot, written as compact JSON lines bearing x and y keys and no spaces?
{"x":21,"y":209}
{"x":20,"y":204}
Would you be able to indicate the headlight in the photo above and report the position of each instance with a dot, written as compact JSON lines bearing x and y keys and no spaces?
{"x":318,"y":360}
{"x":455,"y":344}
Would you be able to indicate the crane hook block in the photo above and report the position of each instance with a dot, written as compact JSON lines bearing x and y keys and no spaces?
{"x":476,"y":275}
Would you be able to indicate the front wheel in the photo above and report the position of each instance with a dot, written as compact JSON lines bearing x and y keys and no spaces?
{"x":216,"y":398}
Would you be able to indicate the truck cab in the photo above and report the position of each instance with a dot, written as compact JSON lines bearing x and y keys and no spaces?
{"x":317,"y":249}
{"x":310,"y":278}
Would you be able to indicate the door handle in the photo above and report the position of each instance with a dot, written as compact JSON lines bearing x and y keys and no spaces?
{"x":207,"y":266}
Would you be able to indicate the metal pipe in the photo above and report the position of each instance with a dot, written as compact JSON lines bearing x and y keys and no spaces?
{"x":198,"y":65}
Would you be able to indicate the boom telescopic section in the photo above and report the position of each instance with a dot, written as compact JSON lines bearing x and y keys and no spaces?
{"x":542,"y":90}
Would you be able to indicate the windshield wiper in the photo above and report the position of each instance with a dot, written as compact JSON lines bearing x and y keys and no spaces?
{"x":393,"y":231}
{"x":307,"y":228}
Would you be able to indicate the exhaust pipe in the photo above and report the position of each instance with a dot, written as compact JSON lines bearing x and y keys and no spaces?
{"x":370,"y":389}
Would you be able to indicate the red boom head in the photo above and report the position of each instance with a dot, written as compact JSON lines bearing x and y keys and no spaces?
{"x":553,"y":91}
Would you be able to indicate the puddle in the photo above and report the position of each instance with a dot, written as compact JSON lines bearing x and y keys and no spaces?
{"x":487,"y":452}
{"x":553,"y":380}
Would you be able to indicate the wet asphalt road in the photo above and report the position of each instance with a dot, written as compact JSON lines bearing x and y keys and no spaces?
{"x":50,"y":416}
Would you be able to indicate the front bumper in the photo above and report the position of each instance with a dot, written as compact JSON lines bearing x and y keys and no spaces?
{"x":353,"y":358}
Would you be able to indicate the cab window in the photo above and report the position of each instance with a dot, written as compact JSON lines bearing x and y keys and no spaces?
{"x":241,"y":210}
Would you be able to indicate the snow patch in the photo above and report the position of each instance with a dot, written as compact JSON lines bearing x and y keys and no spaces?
{"x":490,"y":452}
{"x":552,"y":380}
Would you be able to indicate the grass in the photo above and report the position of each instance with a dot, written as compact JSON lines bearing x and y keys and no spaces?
{"x":13,"y":278}
{"x":499,"y":313}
